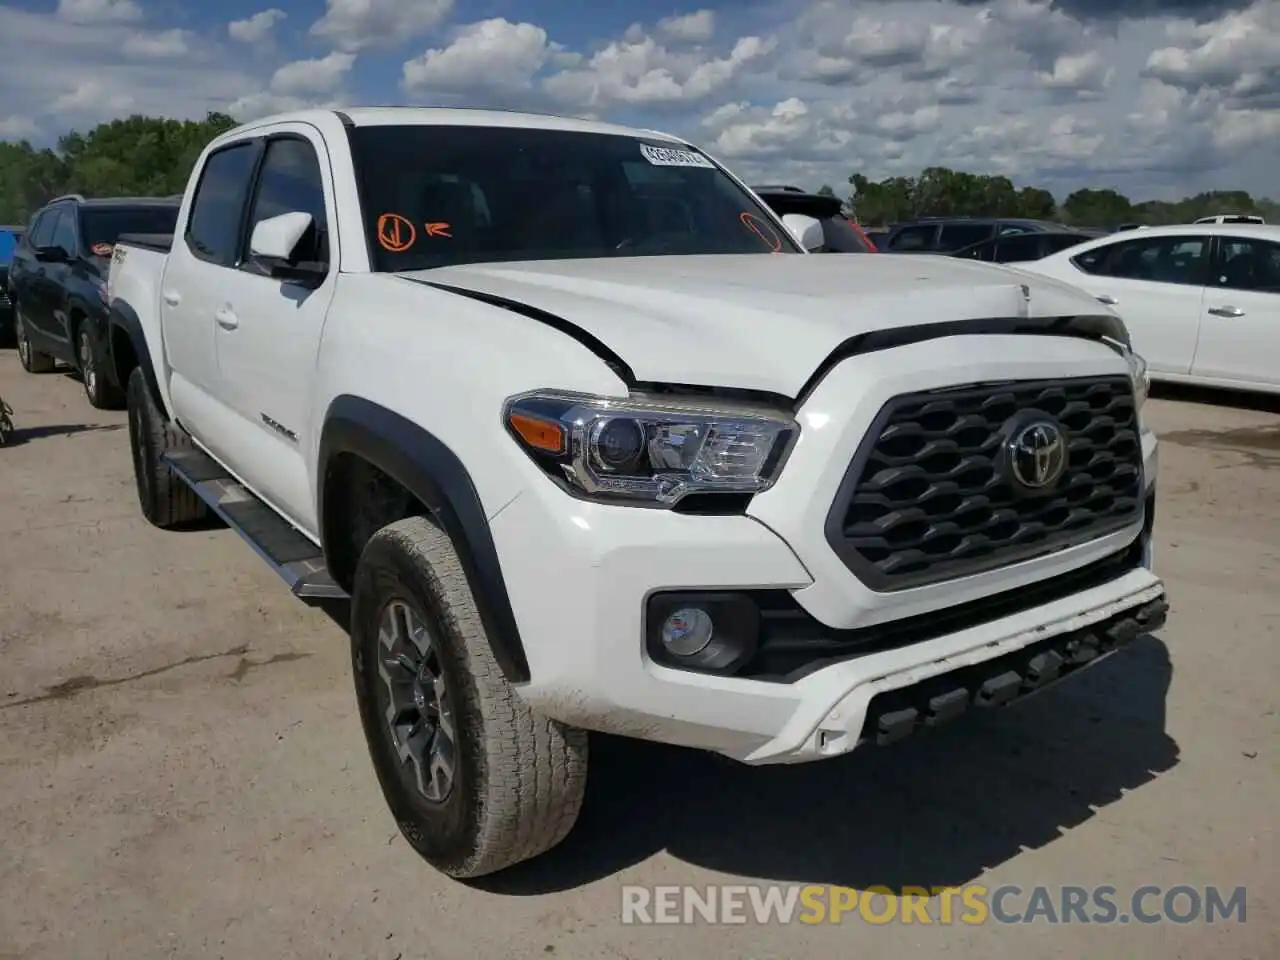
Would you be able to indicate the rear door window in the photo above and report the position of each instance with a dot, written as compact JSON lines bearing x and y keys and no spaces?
{"x":957,"y":235}
{"x":213,"y":229}
{"x":1019,"y":248}
{"x":919,"y":237}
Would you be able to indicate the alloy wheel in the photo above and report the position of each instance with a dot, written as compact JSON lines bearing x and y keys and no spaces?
{"x":417,"y":704}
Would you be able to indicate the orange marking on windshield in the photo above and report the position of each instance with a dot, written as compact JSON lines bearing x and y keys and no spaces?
{"x":439,"y":230}
{"x":758,"y":227}
{"x":396,"y":233}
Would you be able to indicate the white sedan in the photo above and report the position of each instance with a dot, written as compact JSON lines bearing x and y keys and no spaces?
{"x":1202,"y":301}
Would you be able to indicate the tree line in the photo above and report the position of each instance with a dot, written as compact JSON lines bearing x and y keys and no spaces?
{"x":939,"y":192}
{"x":153,"y":156}
{"x":132,"y":156}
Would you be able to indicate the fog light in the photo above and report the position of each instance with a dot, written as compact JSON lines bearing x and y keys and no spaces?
{"x":687,"y":632}
{"x":708,"y":632}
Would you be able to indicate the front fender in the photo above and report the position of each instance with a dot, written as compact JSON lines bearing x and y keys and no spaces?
{"x":428,"y":469}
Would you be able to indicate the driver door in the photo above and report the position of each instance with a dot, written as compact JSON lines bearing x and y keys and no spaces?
{"x":267,"y":330}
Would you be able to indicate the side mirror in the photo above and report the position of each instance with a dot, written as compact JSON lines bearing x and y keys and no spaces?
{"x":51,"y":255}
{"x":806,"y":230}
{"x":274,"y":244}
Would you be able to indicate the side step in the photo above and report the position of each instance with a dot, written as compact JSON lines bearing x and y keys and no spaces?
{"x":296,"y":559}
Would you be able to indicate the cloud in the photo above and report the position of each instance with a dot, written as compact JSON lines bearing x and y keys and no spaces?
{"x":696,"y":27}
{"x":1151,"y":97}
{"x":257,"y":28}
{"x":1082,"y":74}
{"x":18,"y":128}
{"x":355,"y":25}
{"x":99,"y":11}
{"x":158,"y":45}
{"x":1237,"y":56}
{"x":308,"y":77}
{"x":493,"y":56}
{"x":68,"y":73}
{"x":642,"y":72}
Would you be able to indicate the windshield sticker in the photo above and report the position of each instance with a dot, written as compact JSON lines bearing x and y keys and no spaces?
{"x":102,"y":249}
{"x":439,"y":230}
{"x":671,"y":157}
{"x":763,"y":230}
{"x":396,"y":233}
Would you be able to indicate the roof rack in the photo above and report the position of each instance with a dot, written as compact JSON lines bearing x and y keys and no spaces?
{"x":79,"y":198}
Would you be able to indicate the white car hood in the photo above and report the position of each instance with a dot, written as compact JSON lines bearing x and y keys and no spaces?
{"x":757,"y":322}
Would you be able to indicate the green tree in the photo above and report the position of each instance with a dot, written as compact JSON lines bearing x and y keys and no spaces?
{"x":136,"y":155}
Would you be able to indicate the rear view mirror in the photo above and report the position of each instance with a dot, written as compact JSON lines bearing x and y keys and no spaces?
{"x":806,"y":230}
{"x":276,"y":238}
{"x":51,"y":255}
{"x":274,"y":244}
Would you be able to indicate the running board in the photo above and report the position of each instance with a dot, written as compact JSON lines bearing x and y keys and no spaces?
{"x":297,"y":560}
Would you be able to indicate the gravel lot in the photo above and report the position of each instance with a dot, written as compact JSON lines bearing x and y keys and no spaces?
{"x":182,"y":771}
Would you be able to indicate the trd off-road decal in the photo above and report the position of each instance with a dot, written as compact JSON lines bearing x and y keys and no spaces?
{"x":671,"y":157}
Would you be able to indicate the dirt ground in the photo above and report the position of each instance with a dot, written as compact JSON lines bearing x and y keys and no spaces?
{"x":182,"y":772}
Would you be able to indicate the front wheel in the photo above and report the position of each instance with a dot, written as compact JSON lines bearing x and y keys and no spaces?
{"x":102,"y":391}
{"x":476,"y":781}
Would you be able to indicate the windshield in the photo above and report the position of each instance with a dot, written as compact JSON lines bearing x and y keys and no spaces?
{"x":101,"y":228}
{"x":440,"y":195}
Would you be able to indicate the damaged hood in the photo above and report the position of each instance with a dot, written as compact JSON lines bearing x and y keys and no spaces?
{"x":757,"y":322}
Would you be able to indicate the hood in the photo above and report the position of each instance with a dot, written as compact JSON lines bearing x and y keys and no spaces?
{"x":757,"y":322}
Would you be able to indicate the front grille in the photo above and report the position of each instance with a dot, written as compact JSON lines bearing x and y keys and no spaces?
{"x":928,"y":496}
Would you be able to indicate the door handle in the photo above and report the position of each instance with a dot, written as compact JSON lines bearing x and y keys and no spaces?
{"x":1106,"y":298}
{"x":1231,"y":312}
{"x":172,"y":297}
{"x":226,"y":318}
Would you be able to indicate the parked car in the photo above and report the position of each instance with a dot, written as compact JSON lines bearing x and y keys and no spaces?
{"x":58,"y":284}
{"x":1201,"y":301}
{"x":1233,"y":218}
{"x":1019,"y":247}
{"x":879,"y":236}
{"x":948,"y":234}
{"x":839,"y":233}
{"x":592,"y":443}
{"x":10,"y":237}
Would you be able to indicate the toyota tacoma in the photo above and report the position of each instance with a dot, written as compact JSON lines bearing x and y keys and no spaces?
{"x":592,"y":443}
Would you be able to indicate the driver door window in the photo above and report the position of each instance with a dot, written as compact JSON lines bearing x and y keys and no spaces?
{"x":64,"y":234}
{"x":290,"y":182}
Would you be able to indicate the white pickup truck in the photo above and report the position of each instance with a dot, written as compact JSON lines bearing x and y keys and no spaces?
{"x":593,"y":443}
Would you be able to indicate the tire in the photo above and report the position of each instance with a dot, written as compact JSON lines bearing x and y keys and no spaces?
{"x":95,"y":373}
{"x":165,"y":500}
{"x":33,"y":361}
{"x":519,"y":777}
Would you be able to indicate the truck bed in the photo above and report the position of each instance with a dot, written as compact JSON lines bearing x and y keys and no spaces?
{"x":160,"y":242}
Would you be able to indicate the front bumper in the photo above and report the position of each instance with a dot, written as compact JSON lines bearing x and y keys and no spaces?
{"x":580,"y":574}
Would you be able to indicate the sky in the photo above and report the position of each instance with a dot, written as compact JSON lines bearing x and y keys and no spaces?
{"x":1155,"y":98}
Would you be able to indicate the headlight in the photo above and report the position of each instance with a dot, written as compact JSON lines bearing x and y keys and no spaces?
{"x":648,"y":449}
{"x":1140,"y":377}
